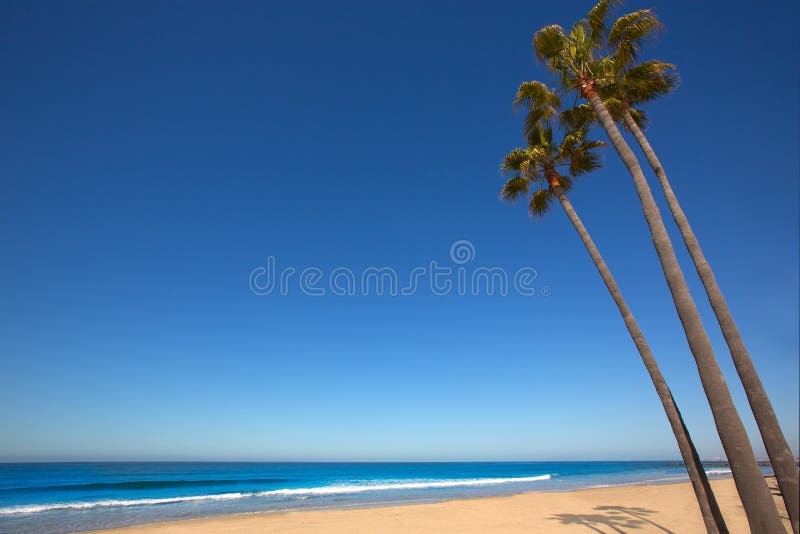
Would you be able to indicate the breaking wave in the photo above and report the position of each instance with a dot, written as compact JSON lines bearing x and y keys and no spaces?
{"x":337,"y":489}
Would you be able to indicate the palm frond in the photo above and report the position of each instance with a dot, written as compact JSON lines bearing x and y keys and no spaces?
{"x":649,"y":69}
{"x":566,"y":76}
{"x":597,"y":18}
{"x":579,"y":153}
{"x":549,"y":42}
{"x":580,"y":45}
{"x":514,"y":161}
{"x":539,"y":156}
{"x":616,"y":107}
{"x":514,"y":188}
{"x":591,"y":145}
{"x":536,"y":94}
{"x":577,"y":118}
{"x":583,"y":161}
{"x":568,"y":143}
{"x":534,"y":117}
{"x":546,"y":135}
{"x":540,"y":203}
{"x":605,"y":71}
{"x":540,"y":138}
{"x":648,"y":81}
{"x":628,"y":33}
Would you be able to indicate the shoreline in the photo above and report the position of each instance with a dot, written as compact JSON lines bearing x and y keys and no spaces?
{"x":641,"y":507}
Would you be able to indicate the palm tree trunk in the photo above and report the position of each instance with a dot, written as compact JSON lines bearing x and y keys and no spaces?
{"x":780,"y":455}
{"x":756,"y":498}
{"x":712,"y":517}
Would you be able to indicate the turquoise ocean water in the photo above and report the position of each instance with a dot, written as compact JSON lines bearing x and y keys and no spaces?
{"x":66,"y":497}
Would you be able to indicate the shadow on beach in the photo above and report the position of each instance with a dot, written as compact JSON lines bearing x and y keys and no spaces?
{"x":612,"y":519}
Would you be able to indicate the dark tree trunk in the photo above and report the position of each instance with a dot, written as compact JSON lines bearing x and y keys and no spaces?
{"x":780,"y":455}
{"x":755,"y":495}
{"x":712,"y":517}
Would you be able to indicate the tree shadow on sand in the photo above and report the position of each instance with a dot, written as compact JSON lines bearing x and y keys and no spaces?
{"x":772,"y":483}
{"x":614,"y":519}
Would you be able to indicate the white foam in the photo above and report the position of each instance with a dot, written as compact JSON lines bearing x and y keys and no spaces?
{"x":718,"y":471}
{"x":33,"y":508}
{"x":361,"y":488}
{"x":338,"y":489}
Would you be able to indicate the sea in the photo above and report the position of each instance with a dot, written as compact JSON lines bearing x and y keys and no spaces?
{"x":69,"y":497}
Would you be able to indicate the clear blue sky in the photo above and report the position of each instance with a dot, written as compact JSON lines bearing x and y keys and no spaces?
{"x":152,"y":155}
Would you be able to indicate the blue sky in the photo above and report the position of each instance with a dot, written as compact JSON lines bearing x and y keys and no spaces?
{"x":153,"y":155}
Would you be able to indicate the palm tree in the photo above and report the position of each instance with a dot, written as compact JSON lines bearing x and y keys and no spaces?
{"x":537,"y":167}
{"x":621,"y":90}
{"x":575,"y":57}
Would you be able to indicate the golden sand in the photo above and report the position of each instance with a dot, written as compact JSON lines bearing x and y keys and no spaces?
{"x":636,"y":509}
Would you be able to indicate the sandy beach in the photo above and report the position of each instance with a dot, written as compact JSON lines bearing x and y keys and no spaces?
{"x":644,"y":508}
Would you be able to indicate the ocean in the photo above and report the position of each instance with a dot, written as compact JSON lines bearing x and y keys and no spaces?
{"x":67,"y":497}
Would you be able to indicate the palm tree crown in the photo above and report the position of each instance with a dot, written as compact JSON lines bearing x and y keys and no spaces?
{"x":622,"y":91}
{"x":598,"y":55}
{"x":546,"y":164}
{"x":592,"y":49}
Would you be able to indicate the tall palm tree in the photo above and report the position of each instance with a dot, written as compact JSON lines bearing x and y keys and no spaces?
{"x":536,"y":169}
{"x":575,"y":57}
{"x":621,"y":90}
